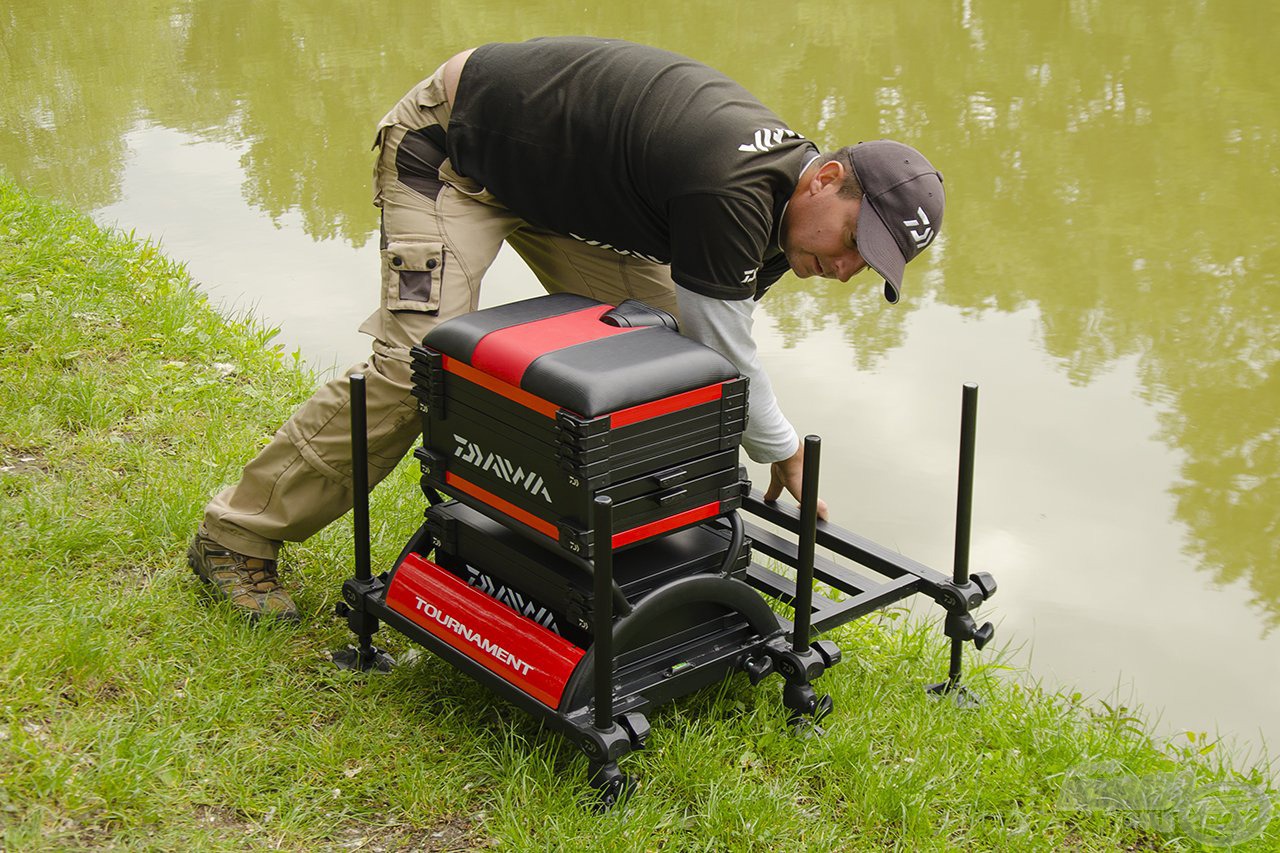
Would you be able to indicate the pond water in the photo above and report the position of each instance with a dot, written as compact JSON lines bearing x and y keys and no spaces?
{"x":1108,"y":274}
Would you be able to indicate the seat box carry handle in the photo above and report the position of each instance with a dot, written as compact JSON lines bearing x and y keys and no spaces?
{"x":670,"y":497}
{"x":671,"y":477}
{"x":632,"y":313}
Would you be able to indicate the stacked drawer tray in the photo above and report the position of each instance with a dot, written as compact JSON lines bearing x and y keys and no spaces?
{"x":557,"y":593}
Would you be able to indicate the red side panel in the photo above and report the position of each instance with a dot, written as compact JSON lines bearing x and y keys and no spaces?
{"x":541,"y":525}
{"x":506,"y":353}
{"x":667,"y":405}
{"x":515,"y":648}
{"x":546,"y":528}
{"x":662,"y":525}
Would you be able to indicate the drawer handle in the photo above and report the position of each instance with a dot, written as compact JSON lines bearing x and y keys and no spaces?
{"x":669,"y":478}
{"x":671,"y":496}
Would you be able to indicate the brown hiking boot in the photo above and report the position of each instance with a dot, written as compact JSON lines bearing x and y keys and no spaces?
{"x":249,"y":583}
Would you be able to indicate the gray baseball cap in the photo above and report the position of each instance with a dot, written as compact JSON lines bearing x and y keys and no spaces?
{"x":901,"y":207}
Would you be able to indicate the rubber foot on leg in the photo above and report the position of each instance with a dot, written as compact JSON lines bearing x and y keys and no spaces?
{"x":352,"y":658}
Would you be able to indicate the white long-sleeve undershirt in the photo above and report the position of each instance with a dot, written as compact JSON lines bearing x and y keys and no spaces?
{"x":725,"y":326}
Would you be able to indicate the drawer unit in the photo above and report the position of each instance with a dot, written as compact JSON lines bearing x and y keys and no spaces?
{"x":555,"y":592}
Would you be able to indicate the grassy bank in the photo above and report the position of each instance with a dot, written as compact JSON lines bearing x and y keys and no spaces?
{"x":135,"y":714}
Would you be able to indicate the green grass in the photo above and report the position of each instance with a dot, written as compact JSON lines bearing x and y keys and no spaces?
{"x":136,"y":714}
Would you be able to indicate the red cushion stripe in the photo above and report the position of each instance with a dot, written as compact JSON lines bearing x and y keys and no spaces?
{"x":506,"y":353}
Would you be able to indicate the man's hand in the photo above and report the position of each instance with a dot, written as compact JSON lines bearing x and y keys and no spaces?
{"x":789,"y":473}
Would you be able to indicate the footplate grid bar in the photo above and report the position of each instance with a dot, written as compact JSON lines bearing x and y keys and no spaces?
{"x":904,"y":575}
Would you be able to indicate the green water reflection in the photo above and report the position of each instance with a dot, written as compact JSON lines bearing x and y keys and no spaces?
{"x":1112,"y":166}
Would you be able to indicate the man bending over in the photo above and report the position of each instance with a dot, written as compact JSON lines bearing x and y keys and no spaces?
{"x":616,"y":171}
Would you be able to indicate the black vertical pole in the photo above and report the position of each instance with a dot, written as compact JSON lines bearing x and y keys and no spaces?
{"x":808,"y":539}
{"x":357,"y":591}
{"x":964,"y":496}
{"x":964,"y":508}
{"x":603,"y":608}
{"x":360,"y":476}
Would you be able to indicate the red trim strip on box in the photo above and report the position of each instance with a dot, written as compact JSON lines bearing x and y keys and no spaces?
{"x":653,"y":528}
{"x":544,"y":527}
{"x":517,"y":395}
{"x":506,"y":353}
{"x":514,"y":647}
{"x":666,"y":405}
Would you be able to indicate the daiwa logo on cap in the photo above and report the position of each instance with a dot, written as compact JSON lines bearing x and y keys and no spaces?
{"x":921,"y":238}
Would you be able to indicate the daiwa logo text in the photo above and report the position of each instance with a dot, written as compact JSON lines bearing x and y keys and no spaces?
{"x":513,"y":599}
{"x":489,"y":647}
{"x":470,"y":452}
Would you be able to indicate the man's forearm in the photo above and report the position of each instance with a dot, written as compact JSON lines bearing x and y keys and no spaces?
{"x":726,"y":327}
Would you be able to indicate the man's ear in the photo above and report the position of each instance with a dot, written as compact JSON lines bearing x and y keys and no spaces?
{"x":828,"y":173}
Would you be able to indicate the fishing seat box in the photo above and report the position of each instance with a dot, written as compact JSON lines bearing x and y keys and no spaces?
{"x":532,"y":409}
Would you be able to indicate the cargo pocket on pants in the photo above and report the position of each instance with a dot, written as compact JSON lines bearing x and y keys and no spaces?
{"x":413,"y":276}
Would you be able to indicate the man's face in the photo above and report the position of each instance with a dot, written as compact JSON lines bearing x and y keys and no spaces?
{"x":819,"y":234}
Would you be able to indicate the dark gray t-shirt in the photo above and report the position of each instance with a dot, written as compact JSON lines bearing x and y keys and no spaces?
{"x":634,"y":149}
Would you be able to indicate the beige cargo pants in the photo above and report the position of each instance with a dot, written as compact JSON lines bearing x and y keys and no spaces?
{"x":440,"y":233}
